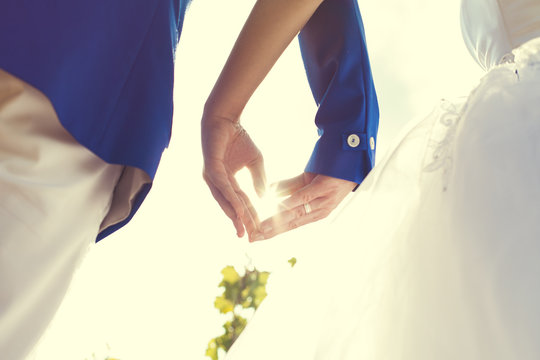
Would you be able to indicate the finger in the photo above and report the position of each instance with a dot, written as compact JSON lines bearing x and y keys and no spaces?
{"x":227,"y":209}
{"x":305,"y":195}
{"x":247,"y":206}
{"x":258,"y":174}
{"x":220,"y":179}
{"x":250,"y":219}
{"x":281,"y":227}
{"x":289,"y":186}
{"x":289,"y":215}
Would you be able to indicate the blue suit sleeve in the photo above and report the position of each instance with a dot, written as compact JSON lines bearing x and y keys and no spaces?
{"x":335,"y":56}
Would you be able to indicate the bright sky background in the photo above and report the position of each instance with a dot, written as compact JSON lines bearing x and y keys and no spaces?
{"x":148,"y":290}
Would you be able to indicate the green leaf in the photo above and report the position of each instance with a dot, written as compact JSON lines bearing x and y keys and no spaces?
{"x":223,"y":304}
{"x":263,"y":277}
{"x":259,"y":294}
{"x":292,"y":261}
{"x":240,"y":292}
{"x":212,"y":350}
{"x":230,"y":275}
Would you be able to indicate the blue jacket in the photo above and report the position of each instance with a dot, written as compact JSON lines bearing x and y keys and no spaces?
{"x":107,"y":68}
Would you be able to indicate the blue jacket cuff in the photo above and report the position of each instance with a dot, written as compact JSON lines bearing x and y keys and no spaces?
{"x":343,"y":155}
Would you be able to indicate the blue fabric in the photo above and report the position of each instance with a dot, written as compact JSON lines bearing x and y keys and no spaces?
{"x":107,"y":68}
{"x":333,"y":47}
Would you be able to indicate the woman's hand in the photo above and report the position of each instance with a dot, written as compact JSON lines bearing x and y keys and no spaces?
{"x":227,"y":148}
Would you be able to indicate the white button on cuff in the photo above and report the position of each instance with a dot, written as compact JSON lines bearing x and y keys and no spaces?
{"x":353,"y":140}
{"x":372,"y":143}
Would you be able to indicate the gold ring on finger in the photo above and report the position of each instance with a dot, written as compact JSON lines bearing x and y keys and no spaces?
{"x":307,"y":208}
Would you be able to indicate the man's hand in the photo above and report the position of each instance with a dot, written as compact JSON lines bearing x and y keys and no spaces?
{"x":312,"y":197}
{"x":227,"y":148}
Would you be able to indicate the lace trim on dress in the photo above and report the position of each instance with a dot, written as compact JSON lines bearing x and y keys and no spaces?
{"x":525,"y":60}
{"x":439,"y":151}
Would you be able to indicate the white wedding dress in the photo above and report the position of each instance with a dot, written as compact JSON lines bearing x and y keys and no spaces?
{"x":441,"y":254}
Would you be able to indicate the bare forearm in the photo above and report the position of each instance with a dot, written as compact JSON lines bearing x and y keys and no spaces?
{"x":269,"y":29}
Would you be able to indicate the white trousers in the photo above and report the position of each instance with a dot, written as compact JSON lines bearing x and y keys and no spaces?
{"x":54,"y":194}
